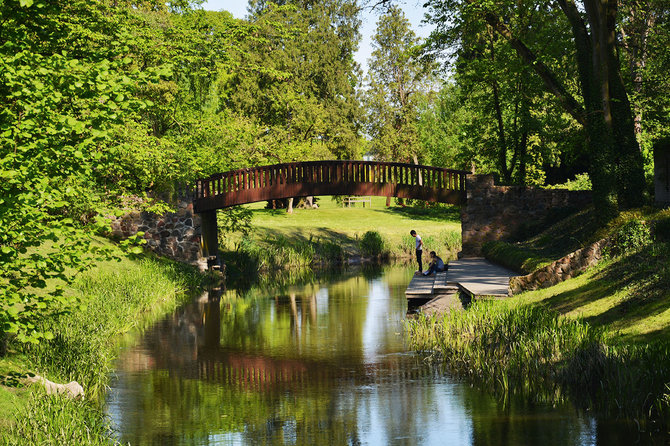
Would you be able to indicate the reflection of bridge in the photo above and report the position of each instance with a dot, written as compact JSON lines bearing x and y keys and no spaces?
{"x":263,"y":372}
{"x":322,"y":178}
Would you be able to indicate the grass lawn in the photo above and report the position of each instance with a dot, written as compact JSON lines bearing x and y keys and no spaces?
{"x":346,"y":225}
{"x":629,"y":297}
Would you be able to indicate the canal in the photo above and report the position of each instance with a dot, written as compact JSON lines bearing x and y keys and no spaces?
{"x":322,"y":363}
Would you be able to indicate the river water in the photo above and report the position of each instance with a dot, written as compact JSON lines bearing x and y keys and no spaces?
{"x":323,"y":363}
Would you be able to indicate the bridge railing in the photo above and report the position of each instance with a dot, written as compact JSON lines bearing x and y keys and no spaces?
{"x":329,"y":172}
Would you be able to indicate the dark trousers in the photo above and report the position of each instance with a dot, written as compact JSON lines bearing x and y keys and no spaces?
{"x":434,"y":269}
{"x":419,"y":253}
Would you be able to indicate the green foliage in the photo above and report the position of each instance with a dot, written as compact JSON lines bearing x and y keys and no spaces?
{"x":446,"y":244}
{"x":662,"y":229}
{"x":630,"y":237}
{"x":373,"y":244}
{"x":112,"y":303}
{"x":330,"y":251}
{"x":515,"y":257}
{"x":581,"y":182}
{"x":528,"y":350}
{"x":396,"y":80}
{"x":277,"y":253}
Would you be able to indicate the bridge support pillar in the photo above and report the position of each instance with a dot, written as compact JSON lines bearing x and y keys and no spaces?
{"x":209,"y":241}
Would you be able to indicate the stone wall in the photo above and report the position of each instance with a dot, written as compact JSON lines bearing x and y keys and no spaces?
{"x":496,"y":212}
{"x":562,"y":269}
{"x":175,"y":235}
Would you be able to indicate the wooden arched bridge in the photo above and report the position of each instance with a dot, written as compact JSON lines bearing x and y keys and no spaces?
{"x":329,"y":178}
{"x":314,"y":178}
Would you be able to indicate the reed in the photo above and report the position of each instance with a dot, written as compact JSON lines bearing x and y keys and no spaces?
{"x":530,"y":351}
{"x":54,"y":421}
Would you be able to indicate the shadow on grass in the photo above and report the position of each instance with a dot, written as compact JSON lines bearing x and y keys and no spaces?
{"x":320,"y":234}
{"x":644,"y":278}
{"x":437,"y":213}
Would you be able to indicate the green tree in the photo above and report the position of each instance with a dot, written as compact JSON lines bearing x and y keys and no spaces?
{"x":616,"y":164}
{"x":66,"y":86}
{"x":396,"y":82}
{"x":311,"y":111}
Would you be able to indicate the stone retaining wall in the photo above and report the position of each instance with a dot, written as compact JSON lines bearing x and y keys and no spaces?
{"x":175,"y":234}
{"x":496,"y":212}
{"x":562,"y":269}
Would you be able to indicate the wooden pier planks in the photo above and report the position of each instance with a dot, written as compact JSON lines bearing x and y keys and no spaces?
{"x":420,"y":286}
{"x":475,"y":276}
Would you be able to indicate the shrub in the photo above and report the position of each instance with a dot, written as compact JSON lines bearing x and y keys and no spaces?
{"x":581,"y":182}
{"x":372,"y":244}
{"x":630,"y":237}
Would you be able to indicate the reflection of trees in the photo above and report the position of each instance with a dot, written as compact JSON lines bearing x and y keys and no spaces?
{"x":281,"y":368}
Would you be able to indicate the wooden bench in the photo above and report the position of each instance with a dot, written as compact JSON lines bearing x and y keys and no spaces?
{"x":349,"y":200}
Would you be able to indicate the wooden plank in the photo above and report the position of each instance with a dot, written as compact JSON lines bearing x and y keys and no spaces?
{"x":420,"y":286}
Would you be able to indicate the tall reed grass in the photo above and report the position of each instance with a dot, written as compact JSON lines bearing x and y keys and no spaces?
{"x":55,"y":421}
{"x":446,"y":244}
{"x":530,"y":351}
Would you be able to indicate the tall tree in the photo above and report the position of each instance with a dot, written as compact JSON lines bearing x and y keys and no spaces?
{"x":312,"y":111}
{"x":396,"y":80}
{"x":604,"y":110}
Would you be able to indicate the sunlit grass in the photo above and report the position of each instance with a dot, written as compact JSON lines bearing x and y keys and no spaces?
{"x":316,"y":231}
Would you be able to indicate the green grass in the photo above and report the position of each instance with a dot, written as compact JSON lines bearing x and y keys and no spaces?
{"x":557,"y":240}
{"x":312,"y":232}
{"x":628,"y":296}
{"x":521,"y":349}
{"x":116,"y":298}
{"x":601,"y":338}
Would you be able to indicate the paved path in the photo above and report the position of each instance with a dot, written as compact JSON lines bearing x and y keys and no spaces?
{"x":476,"y":276}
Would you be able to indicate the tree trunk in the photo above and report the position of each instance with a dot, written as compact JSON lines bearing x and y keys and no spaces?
{"x":616,"y":165}
{"x":289,"y":207}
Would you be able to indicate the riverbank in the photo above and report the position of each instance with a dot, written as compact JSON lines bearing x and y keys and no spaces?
{"x":332,"y":235}
{"x":600,"y":339}
{"x":116,"y":298}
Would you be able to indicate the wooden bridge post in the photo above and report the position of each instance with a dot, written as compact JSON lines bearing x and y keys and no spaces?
{"x":209,"y":241}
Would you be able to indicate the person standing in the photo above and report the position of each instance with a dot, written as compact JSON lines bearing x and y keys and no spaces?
{"x":419,"y":249}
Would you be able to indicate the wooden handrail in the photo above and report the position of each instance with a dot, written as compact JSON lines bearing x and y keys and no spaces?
{"x":329,"y":178}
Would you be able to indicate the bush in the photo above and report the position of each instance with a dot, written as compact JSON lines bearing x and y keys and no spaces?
{"x":372,"y":244}
{"x":581,"y":182}
{"x":630,"y":237}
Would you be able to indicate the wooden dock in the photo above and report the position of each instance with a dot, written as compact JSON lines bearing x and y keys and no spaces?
{"x":474,"y":276}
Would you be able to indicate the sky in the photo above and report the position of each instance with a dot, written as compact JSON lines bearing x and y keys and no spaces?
{"x":413,"y":10}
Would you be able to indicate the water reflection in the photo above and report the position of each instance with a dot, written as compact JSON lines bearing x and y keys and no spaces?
{"x":323,"y":363}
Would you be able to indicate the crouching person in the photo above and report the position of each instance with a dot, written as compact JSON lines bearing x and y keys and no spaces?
{"x":436,"y":264}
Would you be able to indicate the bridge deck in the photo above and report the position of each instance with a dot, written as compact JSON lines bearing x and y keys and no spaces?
{"x":475,"y":276}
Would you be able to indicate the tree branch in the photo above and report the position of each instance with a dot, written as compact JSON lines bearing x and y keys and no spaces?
{"x":568,"y":102}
